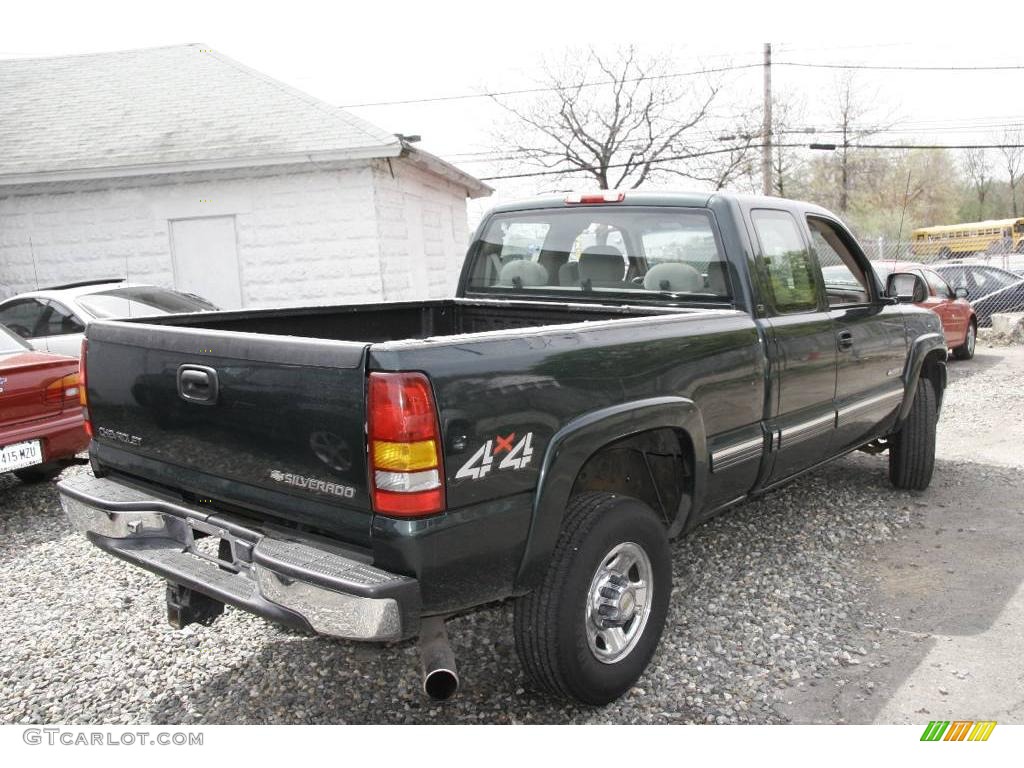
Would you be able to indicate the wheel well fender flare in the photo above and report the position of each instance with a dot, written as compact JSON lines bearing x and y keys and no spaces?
{"x":571,"y":447}
{"x":926,"y":349}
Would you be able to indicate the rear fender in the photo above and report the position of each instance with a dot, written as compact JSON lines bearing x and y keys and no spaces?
{"x":581,"y":438}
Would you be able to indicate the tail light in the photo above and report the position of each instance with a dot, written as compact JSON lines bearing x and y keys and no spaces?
{"x":83,"y":397}
{"x":64,"y":388}
{"x":406,"y":473}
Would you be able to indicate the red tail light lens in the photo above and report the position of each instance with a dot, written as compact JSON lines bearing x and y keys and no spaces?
{"x":83,"y":398}
{"x":64,"y":388}
{"x":406,"y":472}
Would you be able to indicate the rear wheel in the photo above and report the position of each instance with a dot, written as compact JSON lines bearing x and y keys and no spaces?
{"x":966,"y":350}
{"x":589,"y":630}
{"x":39,"y":473}
{"x":912,"y":449}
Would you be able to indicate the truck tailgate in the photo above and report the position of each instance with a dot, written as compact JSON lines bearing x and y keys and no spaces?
{"x":269,"y":423}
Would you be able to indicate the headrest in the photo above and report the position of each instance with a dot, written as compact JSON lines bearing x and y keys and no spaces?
{"x":569,"y":274}
{"x":521,"y":272}
{"x":681,"y":278}
{"x":718,"y":284}
{"x":603,"y":263}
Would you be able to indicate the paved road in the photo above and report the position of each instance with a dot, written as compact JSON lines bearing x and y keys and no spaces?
{"x":952,"y":586}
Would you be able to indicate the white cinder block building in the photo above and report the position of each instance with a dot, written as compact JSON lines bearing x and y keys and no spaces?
{"x":181,"y":167}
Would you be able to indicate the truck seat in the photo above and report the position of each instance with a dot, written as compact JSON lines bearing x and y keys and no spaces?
{"x":602,"y":265}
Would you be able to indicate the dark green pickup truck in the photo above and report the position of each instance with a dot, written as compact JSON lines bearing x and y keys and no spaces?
{"x":615,"y":369}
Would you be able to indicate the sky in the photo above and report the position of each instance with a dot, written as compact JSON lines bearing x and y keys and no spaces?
{"x":352,"y":54}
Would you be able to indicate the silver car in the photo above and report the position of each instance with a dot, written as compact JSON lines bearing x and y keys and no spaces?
{"x":54,"y":319}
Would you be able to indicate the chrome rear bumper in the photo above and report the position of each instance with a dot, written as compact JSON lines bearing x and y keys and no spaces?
{"x":279,"y":576}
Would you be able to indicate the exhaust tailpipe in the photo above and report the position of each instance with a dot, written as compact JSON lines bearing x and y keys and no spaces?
{"x":440,"y":677}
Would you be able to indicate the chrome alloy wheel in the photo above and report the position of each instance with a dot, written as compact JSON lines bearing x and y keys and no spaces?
{"x":972,"y":337}
{"x":619,"y":602}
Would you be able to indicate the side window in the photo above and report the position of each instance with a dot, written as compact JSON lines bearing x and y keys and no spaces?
{"x":955,"y":276}
{"x":845,"y":280}
{"x":989,"y":280}
{"x":936,"y":285}
{"x":60,"y":321}
{"x":523,"y":240}
{"x":787,"y":261}
{"x":24,"y":317}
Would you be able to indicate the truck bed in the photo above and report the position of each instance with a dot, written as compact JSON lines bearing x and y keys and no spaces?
{"x":376,"y":323}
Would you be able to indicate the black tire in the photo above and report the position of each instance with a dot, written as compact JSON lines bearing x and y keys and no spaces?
{"x":551,"y":622}
{"x":39,"y":473}
{"x":912,"y":449}
{"x":966,"y":350}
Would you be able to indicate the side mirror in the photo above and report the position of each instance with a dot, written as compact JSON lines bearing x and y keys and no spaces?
{"x":906,"y":287}
{"x":961,"y":292}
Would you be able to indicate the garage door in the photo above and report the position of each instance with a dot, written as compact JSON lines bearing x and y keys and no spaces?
{"x":206,"y":259}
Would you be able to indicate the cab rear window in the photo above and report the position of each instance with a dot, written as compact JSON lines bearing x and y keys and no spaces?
{"x":597,"y":252}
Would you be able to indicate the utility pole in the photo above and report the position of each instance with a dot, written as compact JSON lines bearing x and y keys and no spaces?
{"x":766,"y":130}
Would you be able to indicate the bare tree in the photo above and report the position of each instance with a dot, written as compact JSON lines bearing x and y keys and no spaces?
{"x":1013,"y":161}
{"x":978,"y":169}
{"x":618,"y":119}
{"x":856,"y":120}
{"x":733,"y":163}
{"x":787,"y":116}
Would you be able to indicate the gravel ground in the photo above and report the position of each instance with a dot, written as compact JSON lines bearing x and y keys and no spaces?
{"x":767,"y":599}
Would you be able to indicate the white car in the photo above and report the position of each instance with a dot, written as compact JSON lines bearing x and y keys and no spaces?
{"x":54,"y":319}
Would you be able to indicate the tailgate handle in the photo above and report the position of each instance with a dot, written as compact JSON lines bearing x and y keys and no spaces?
{"x":197,"y":384}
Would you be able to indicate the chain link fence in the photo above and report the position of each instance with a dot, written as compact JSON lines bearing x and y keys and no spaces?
{"x":993,"y":278}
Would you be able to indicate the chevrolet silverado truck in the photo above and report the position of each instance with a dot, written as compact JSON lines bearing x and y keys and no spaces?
{"x":614,"y":369}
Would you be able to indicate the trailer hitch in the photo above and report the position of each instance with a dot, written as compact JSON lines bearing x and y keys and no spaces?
{"x":186,"y":606}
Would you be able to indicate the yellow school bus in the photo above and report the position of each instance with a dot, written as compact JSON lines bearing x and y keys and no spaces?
{"x":997,"y":236}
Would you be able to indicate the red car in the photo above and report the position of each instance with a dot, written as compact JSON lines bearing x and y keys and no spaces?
{"x":42,"y":426}
{"x":959,"y":322}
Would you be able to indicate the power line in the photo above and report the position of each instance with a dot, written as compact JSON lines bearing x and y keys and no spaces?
{"x":707,"y":71}
{"x":908,"y":67}
{"x":518,"y":153}
{"x":706,"y":153}
{"x":656,"y":161}
{"x":936,"y":146}
{"x":543,"y":89}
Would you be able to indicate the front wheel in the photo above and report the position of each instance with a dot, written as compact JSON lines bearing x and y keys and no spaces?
{"x":966,"y":350}
{"x":912,"y":449}
{"x":588,"y":631}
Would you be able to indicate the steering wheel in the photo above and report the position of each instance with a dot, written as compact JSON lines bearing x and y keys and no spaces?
{"x":21,"y":330}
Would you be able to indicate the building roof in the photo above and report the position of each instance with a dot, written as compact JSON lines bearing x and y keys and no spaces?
{"x":178,"y":108}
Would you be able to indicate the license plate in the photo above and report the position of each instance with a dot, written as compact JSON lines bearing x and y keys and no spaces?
{"x":21,"y":455}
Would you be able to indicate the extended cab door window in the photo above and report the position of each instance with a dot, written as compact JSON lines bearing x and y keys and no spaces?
{"x":787,"y":262}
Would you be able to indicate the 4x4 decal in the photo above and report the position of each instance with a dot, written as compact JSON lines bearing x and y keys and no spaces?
{"x":517,"y":455}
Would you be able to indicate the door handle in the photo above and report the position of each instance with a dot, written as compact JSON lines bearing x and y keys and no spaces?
{"x":198,"y":384}
{"x":845,"y":339}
